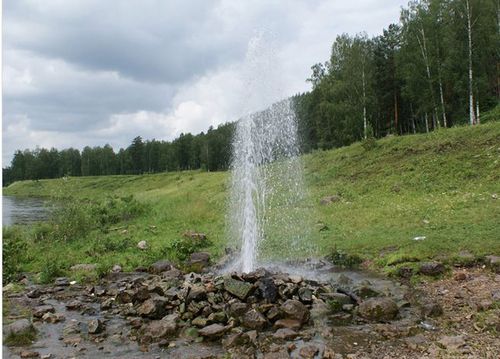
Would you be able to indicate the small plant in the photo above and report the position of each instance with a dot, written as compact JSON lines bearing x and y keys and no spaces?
{"x":53,"y":267}
{"x":183,"y":247}
{"x":344,"y":260}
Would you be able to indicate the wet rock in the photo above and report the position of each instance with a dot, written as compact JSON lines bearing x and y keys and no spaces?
{"x":431,"y":268}
{"x":344,"y":280}
{"x":53,"y":318}
{"x":365,"y":291}
{"x":19,"y":327}
{"x":296,"y":279}
{"x":273,"y":313}
{"x":199,"y":260}
{"x":95,"y":326}
{"x":172,"y":274}
{"x":153,"y":307}
{"x":39,"y":311}
{"x":305,"y":295}
{"x":452,"y":342}
{"x":213,"y":331}
{"x":268,"y":289}
{"x":238,"y":288}
{"x":61,"y":282}
{"x":294,"y":309}
{"x":308,"y":351}
{"x":197,"y":292}
{"x":378,"y":309}
{"x":235,"y":340}
{"x":166,"y":327}
{"x":405,"y":272}
{"x":142,"y":294}
{"x":285,"y":334}
{"x":35,"y":293}
{"x":160,"y":266}
{"x":142,"y":245}
{"x":71,"y":328}
{"x":288,"y":323}
{"x":29,"y":354}
{"x":85,"y":267}
{"x":493,"y":262}
{"x":74,"y":305}
{"x":277,"y":353}
{"x":254,"y":320}
{"x":217,"y":317}
{"x":107,"y":304}
{"x":237,"y":309}
{"x":319,"y":310}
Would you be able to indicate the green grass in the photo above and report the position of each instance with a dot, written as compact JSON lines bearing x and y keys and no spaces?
{"x":437,"y":185}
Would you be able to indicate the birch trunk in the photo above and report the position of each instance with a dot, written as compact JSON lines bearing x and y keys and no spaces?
{"x":426,"y":123}
{"x":472,"y":119}
{"x":365,"y":125}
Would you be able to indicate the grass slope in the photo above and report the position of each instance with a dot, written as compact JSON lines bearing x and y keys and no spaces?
{"x":439,"y":185}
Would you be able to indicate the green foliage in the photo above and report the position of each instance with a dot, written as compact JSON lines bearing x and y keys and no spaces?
{"x":71,"y":221}
{"x":14,"y":248}
{"x":369,"y":143}
{"x":116,"y":209}
{"x":343,"y":259}
{"x":20,"y":340}
{"x":182,"y":247}
{"x":54,"y":265}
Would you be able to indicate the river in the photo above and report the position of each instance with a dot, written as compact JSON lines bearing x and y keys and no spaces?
{"x":24,"y":210}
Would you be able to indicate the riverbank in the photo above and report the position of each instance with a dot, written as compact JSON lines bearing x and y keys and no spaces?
{"x":389,"y":203}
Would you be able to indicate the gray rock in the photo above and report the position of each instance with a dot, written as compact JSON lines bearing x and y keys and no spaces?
{"x":197,"y":292}
{"x":308,"y":351}
{"x":431,"y":309}
{"x":305,"y":295}
{"x":378,"y":309}
{"x":142,"y":245}
{"x":166,"y":327}
{"x":213,"y":331}
{"x":61,"y":282}
{"x":95,"y":326}
{"x":431,"y":268}
{"x":160,"y":266}
{"x":285,"y":334}
{"x":153,"y":307}
{"x":116,"y":268}
{"x":254,"y":320}
{"x":53,"y":317}
{"x":452,"y":342}
{"x":268,"y":289}
{"x":235,"y":340}
{"x":19,"y":327}
{"x":237,"y":309}
{"x":35,"y":293}
{"x":294,"y":309}
{"x":29,"y":354}
{"x":329,"y":199}
{"x":238,"y":288}
{"x":493,"y":262}
{"x":365,"y":291}
{"x":201,"y":259}
{"x":288,"y":323}
{"x":39,"y":311}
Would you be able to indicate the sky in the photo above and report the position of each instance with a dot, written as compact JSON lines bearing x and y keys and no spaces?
{"x":93,"y":72}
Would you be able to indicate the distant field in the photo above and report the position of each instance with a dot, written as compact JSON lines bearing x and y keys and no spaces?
{"x":440,"y":185}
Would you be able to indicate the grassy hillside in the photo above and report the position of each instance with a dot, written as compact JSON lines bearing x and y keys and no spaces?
{"x":440,"y":185}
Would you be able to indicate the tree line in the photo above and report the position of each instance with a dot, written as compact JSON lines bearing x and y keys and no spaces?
{"x":438,"y":67}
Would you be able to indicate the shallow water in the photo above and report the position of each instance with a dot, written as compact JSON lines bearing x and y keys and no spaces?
{"x":24,"y":210}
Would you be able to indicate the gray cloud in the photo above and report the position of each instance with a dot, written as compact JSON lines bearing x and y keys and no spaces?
{"x":91,"y":71}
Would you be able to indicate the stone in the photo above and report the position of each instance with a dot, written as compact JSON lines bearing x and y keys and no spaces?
{"x":74,"y":305}
{"x":493,"y":262}
{"x":197,"y":292}
{"x":53,"y":318}
{"x":294,"y":309}
{"x":35,"y":293}
{"x":107,"y":303}
{"x":296,"y":279}
{"x":365,"y":291}
{"x":142,"y":245}
{"x":308,"y":351}
{"x":199,"y":322}
{"x":95,"y":326}
{"x":39,"y":311}
{"x":237,"y":309}
{"x":378,"y":309}
{"x":254,"y":320}
{"x":288,"y":323}
{"x":238,"y":288}
{"x":199,"y":258}
{"x":452,"y":342}
{"x":19,"y":327}
{"x":432,"y":309}
{"x":160,"y":266}
{"x":61,"y":282}
{"x":71,"y":328}
{"x":405,"y":272}
{"x":460,"y":276}
{"x":29,"y":354}
{"x":268,"y":289}
{"x":235,"y":340}
{"x":213,"y":331}
{"x":273,"y":313}
{"x":116,"y":268}
{"x":84,"y":267}
{"x":305,"y":295}
{"x":431,"y":268}
{"x":153,"y":307}
{"x":285,"y":334}
{"x":166,"y":327}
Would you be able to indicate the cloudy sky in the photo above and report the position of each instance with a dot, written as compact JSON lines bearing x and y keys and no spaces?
{"x":91,"y":72}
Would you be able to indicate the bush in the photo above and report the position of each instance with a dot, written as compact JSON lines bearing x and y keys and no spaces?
{"x":116,"y":209}
{"x":183,"y":247}
{"x":14,"y":249}
{"x":344,"y":260}
{"x":72,"y":221}
{"x":54,"y":266}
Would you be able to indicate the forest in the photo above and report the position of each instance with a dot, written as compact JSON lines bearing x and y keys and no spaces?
{"x":437,"y":68}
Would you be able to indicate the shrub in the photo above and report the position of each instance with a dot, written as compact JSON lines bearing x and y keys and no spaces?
{"x":14,"y":249}
{"x":53,"y":267}
{"x":181,"y":248}
{"x":344,"y":260}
